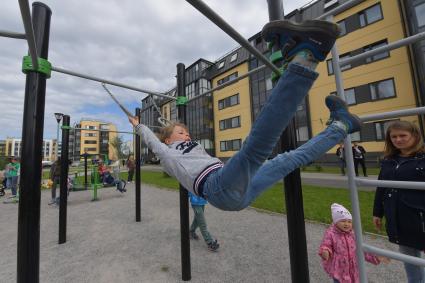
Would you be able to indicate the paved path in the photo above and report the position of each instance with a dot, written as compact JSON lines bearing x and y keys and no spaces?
{"x":105,"y":244}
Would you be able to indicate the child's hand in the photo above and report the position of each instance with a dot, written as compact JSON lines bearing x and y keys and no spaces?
{"x":133,"y":120}
{"x":384,"y":259}
{"x":377,"y":222}
{"x":325,"y":255}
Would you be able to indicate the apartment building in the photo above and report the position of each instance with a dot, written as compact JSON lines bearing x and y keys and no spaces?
{"x":91,"y":140}
{"x":384,"y":82}
{"x":13,"y":146}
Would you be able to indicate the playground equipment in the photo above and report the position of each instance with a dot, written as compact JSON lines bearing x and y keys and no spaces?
{"x":38,"y":69}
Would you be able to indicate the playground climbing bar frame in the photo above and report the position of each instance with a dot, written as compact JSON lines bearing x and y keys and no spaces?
{"x":63,"y":200}
{"x":28,"y":254}
{"x":109,"y":82}
{"x":29,"y":31}
{"x":217,"y":20}
{"x":353,"y":181}
{"x":12,"y":34}
{"x":184,"y":196}
{"x":137,"y":152}
{"x":292,"y":185}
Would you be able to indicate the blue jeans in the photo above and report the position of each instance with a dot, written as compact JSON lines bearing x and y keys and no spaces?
{"x":414,"y":273}
{"x":199,"y":221}
{"x":12,"y":184}
{"x":245,"y":175}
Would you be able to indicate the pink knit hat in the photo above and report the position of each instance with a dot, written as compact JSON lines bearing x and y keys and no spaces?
{"x":340,"y":213}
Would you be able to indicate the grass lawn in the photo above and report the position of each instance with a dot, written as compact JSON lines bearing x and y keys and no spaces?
{"x":317,"y":200}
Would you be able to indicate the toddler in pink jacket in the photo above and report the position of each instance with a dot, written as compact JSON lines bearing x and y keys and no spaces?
{"x":338,"y":248}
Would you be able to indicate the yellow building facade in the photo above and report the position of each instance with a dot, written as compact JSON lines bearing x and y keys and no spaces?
{"x":377,"y":75}
{"x":232,"y":112}
{"x":96,"y":142}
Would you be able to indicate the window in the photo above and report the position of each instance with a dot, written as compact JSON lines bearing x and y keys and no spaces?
{"x":269,"y":84}
{"x":420,"y":14}
{"x":104,"y":127}
{"x":228,"y":101}
{"x":90,"y":142}
{"x":370,"y":15}
{"x":355,"y":136}
{"x":342,"y":27}
{"x":330,"y":67}
{"x":381,"y":129}
{"x":90,"y":134}
{"x":342,"y":57}
{"x":371,"y":59}
{"x":350,"y":96}
{"x":234,"y":57}
{"x":231,"y":145}
{"x":90,"y":127}
{"x":378,"y":56}
{"x":230,"y":123}
{"x":329,"y":4}
{"x":382,"y":89}
{"x":302,"y":133}
{"x":220,"y":65}
{"x":90,"y":149}
{"x":227,"y":78}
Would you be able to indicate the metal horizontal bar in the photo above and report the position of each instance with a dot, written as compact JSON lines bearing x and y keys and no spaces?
{"x":398,"y":256}
{"x":340,"y":9}
{"x":221,"y":23}
{"x":393,"y":114}
{"x":72,"y":73}
{"x":29,"y":31}
{"x":12,"y":34}
{"x":100,"y":130}
{"x":388,"y":47}
{"x":230,"y":82}
{"x":391,"y":184}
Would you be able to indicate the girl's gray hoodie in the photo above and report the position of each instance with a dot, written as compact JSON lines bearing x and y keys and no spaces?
{"x":187,"y":161}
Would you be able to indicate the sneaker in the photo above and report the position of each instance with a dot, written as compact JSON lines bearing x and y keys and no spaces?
{"x":314,"y":35}
{"x":193,"y":235}
{"x":339,"y":112}
{"x":213,"y":246}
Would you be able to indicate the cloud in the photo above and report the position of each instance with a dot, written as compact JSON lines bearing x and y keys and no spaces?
{"x":133,"y":42}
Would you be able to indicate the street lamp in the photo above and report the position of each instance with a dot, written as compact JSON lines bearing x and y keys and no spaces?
{"x":58,"y":117}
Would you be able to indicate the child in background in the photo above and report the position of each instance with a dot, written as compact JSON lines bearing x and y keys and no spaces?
{"x":198,"y":206}
{"x":338,"y":248}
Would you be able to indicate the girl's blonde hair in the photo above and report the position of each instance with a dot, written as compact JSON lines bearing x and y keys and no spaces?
{"x":165,"y":132}
{"x":390,"y":150}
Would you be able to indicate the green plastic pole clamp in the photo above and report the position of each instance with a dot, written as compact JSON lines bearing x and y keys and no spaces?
{"x":276,"y":56}
{"x":181,"y":100}
{"x":276,"y":76}
{"x":66,"y":128}
{"x":44,"y":66}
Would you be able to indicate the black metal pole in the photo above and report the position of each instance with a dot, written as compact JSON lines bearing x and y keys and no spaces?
{"x":63,"y":200}
{"x":138,"y":179}
{"x":85,"y":169}
{"x":184,"y":202}
{"x":292,"y":188}
{"x":28,"y":252}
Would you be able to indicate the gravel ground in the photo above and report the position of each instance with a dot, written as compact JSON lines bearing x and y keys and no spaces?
{"x":105,"y":244}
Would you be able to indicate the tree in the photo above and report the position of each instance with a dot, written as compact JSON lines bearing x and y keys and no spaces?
{"x":120,"y":147}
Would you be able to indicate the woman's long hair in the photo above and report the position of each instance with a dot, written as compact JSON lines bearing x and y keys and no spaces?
{"x":390,"y":150}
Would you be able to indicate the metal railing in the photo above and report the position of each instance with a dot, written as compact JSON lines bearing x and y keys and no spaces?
{"x":354,"y":181}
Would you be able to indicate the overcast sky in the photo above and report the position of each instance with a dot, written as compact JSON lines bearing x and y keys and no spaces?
{"x":134,"y":42}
